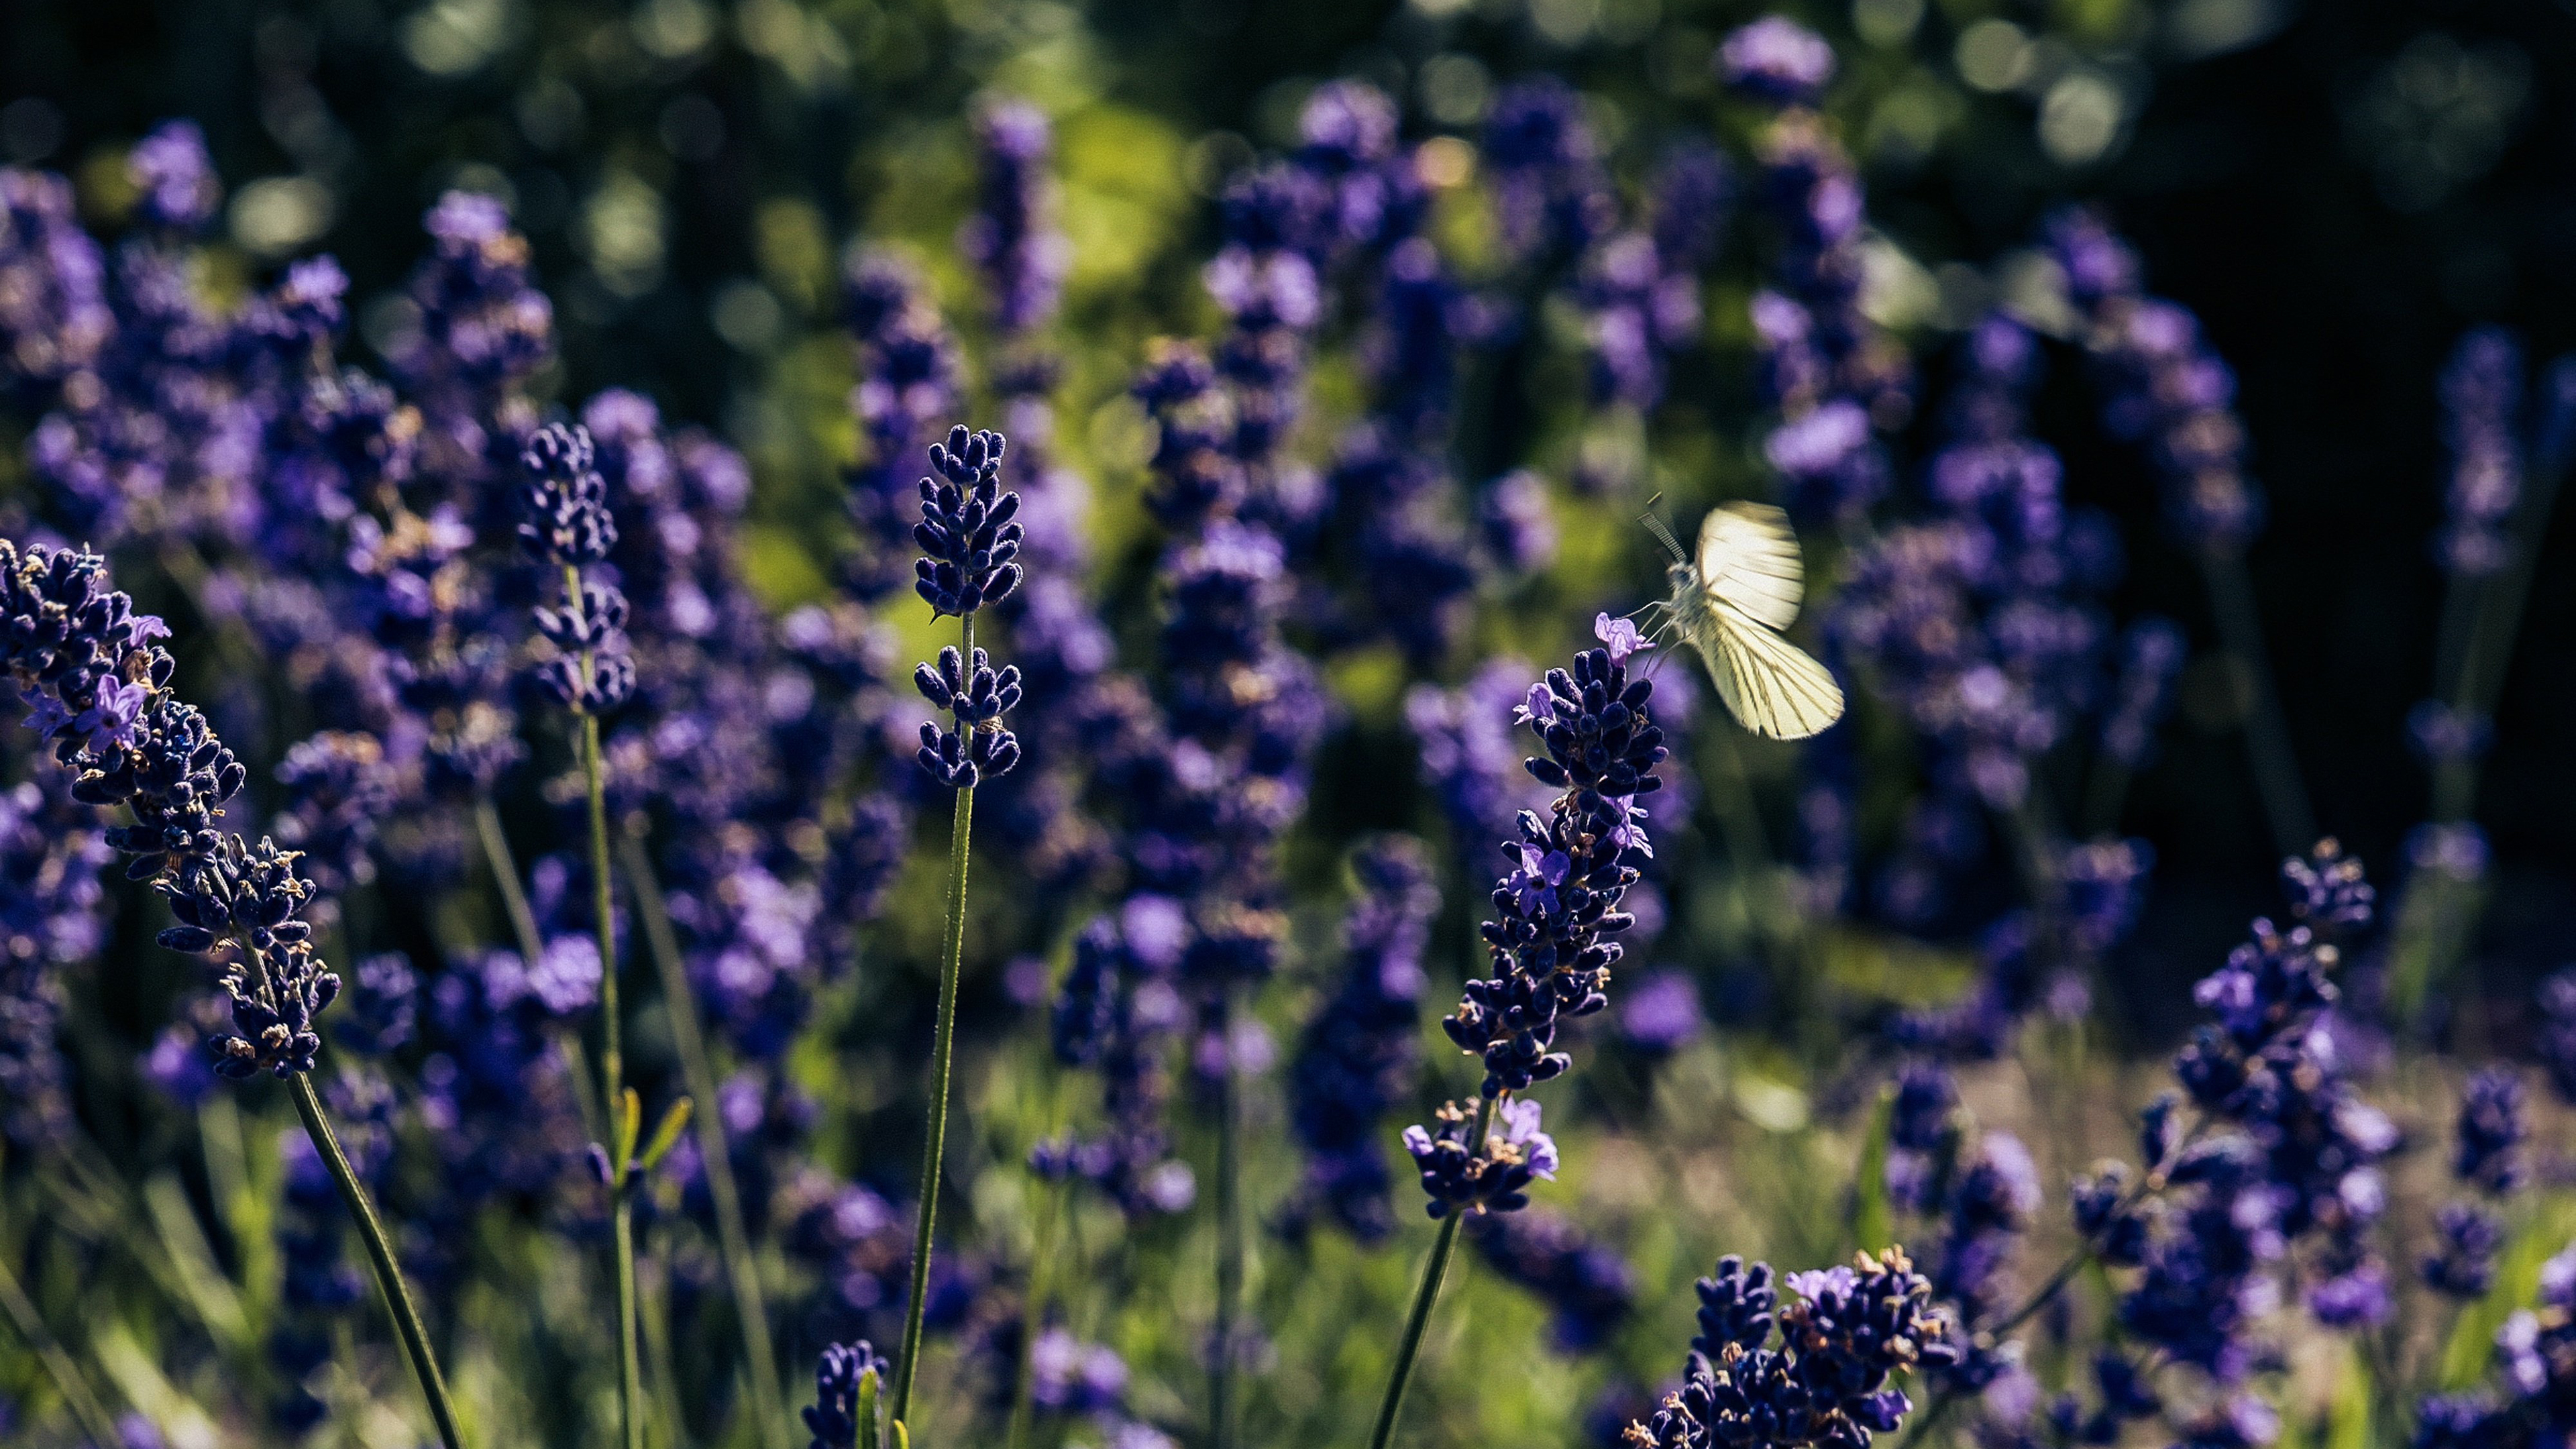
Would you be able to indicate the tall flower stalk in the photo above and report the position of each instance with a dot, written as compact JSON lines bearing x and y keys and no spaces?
{"x":566,"y":523}
{"x":1552,"y":942}
{"x":99,"y":690}
{"x":733,"y":1237}
{"x":969,"y":542}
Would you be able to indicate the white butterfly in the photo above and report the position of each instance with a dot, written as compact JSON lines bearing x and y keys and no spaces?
{"x":1733,"y":604}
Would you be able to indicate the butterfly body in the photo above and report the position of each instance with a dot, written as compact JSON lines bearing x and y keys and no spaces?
{"x":1731,"y":601}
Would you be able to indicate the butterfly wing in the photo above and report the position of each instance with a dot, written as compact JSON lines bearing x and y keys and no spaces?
{"x":1771,"y":686}
{"x":1748,"y":558}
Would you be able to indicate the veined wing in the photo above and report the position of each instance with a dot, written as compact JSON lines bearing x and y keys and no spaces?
{"x":1748,"y":557}
{"x":1772,"y":686}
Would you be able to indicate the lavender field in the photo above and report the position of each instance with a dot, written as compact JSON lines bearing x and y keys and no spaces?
{"x":1626,"y":723}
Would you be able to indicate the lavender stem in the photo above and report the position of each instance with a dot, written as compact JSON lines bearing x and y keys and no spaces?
{"x":504,"y":865}
{"x":942,"y":1049}
{"x":1033,"y":1317}
{"x":732,"y":1236}
{"x":505,"y":876}
{"x":380,"y":1254}
{"x":612,"y":1063}
{"x":1419,"y":1320}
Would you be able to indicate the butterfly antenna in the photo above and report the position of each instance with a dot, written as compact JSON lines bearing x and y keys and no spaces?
{"x":1662,"y":531}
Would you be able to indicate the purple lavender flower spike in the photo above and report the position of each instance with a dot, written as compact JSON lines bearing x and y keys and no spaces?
{"x":833,"y":1418}
{"x":1489,"y":1177}
{"x":1844,"y":1337}
{"x":1556,"y":915}
{"x":2164,"y":387}
{"x":2493,"y":1128}
{"x":51,"y":917}
{"x":966,"y":533}
{"x":969,"y":541}
{"x":1551,"y":190}
{"x":54,"y":312}
{"x":2467,"y":1239}
{"x":565,"y":521}
{"x":67,"y":637}
{"x":176,"y":178}
{"x":908,"y":380}
{"x":1012,"y":236}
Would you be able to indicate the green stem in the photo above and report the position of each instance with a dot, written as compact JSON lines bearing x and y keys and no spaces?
{"x":2267,"y":731}
{"x":1033,"y":1318}
{"x":94,"y":1420}
{"x":732,"y":1235}
{"x":612,"y":1058}
{"x":380,"y":1253}
{"x":1229,"y":1236}
{"x":504,"y":865}
{"x":1419,"y":1320}
{"x":505,"y":875}
{"x":943,"y":1047}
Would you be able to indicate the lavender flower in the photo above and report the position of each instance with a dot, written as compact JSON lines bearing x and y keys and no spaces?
{"x":1662,"y":1014}
{"x":1990,"y":1207}
{"x":1922,"y":1128}
{"x":1777,"y":60}
{"x":970,"y":541}
{"x":2534,"y":1402}
{"x":1068,"y":1376}
{"x":2299,"y":1158}
{"x":1491,"y":1177}
{"x":99,"y":689}
{"x":565,"y":522}
{"x":839,"y":1376}
{"x":479,"y":328}
{"x":1550,"y":188}
{"x":176,"y":179}
{"x":2492,"y":1131}
{"x":1984,"y":626}
{"x":54,"y":314}
{"x":1552,"y":939}
{"x":2467,"y":1239}
{"x":1843,"y":1339}
{"x":907,"y":382}
{"x":966,"y":533}
{"x":2164,"y":388}
{"x":1012,"y":235}
{"x":338,"y":786}
{"x":1516,"y":523}
{"x":51,"y":916}
{"x":1113,"y":1015}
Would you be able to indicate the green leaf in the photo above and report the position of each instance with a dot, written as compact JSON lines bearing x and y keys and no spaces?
{"x":630,"y":1122}
{"x":667,"y":1135}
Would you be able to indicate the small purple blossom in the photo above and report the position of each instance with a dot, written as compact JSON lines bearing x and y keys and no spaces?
{"x":1777,"y":60}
